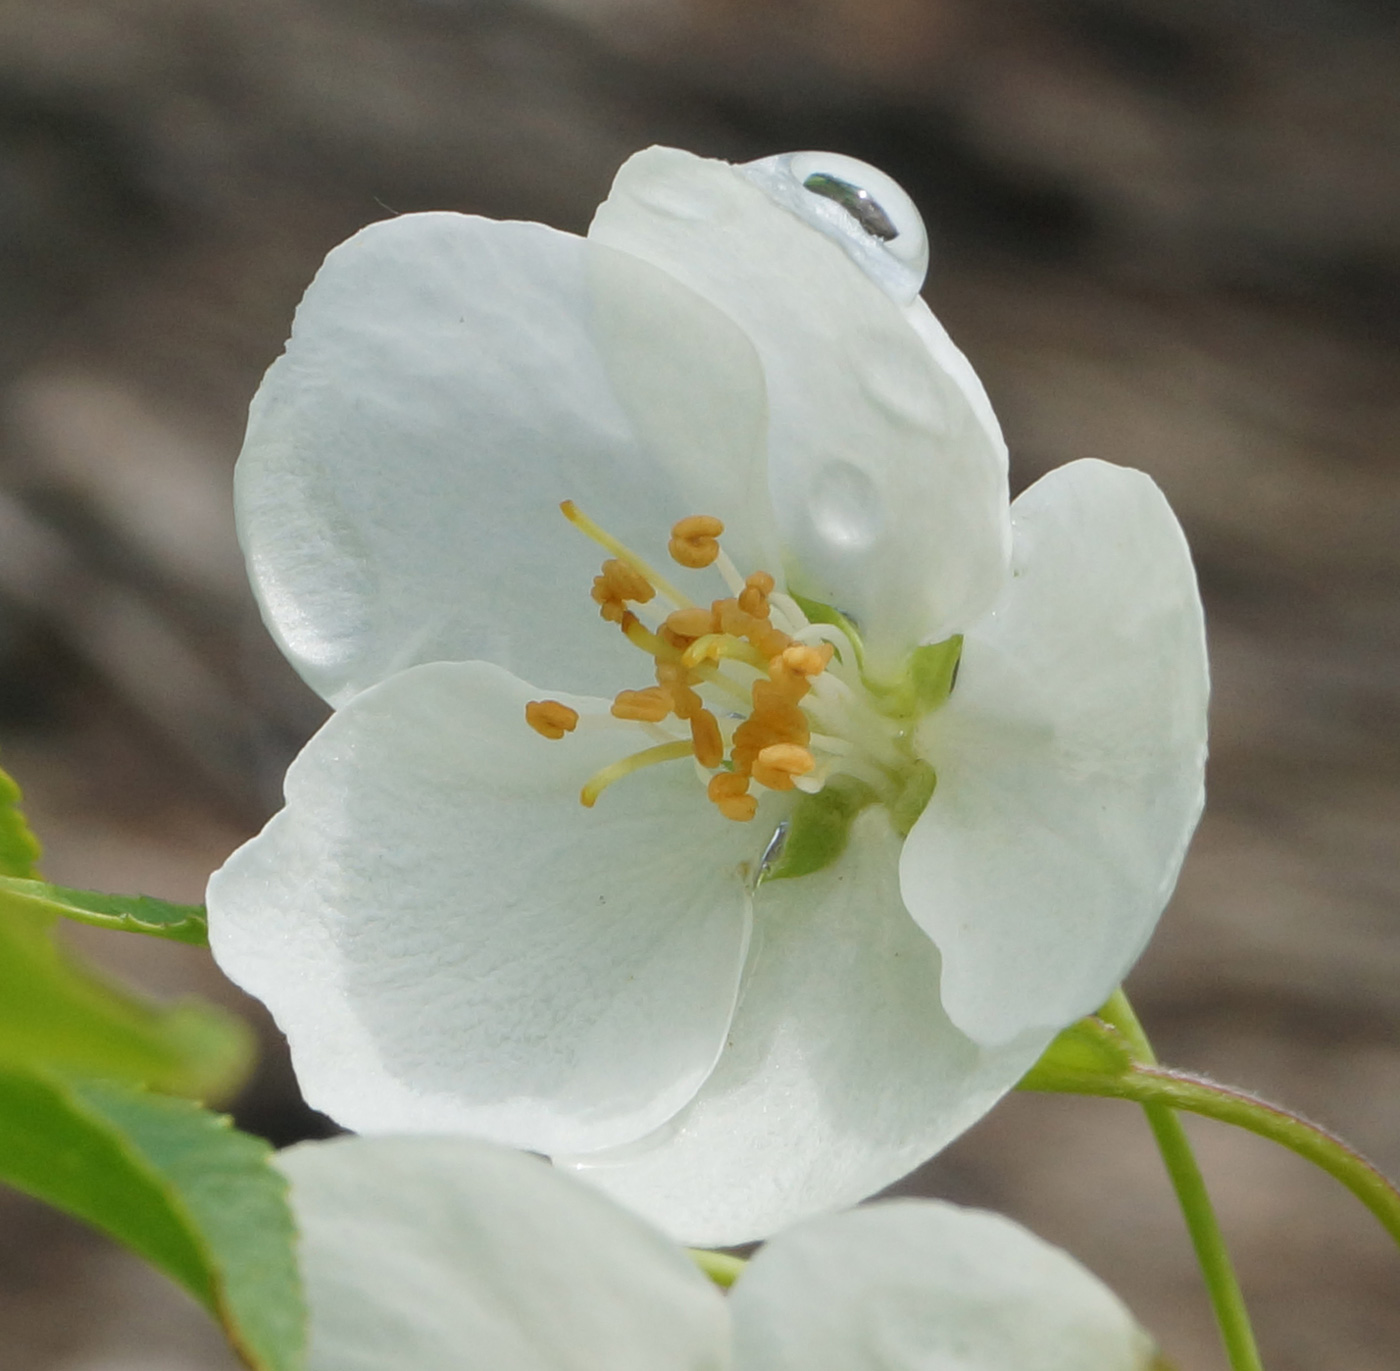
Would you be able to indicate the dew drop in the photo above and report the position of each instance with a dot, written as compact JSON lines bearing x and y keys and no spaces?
{"x":857,"y":206}
{"x":771,"y":853}
{"x":845,"y":507}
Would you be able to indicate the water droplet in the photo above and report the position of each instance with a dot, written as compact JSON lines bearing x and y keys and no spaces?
{"x":856,"y":201}
{"x":771,"y":853}
{"x":856,"y":205}
{"x":845,"y":507}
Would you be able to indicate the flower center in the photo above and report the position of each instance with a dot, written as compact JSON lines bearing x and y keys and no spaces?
{"x":759,"y":691}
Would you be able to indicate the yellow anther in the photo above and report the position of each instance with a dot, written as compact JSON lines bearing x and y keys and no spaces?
{"x":729,"y":793}
{"x":551,"y":718}
{"x":691,"y":623}
{"x":600,"y":781}
{"x":693,"y":540}
{"x":707,"y":739}
{"x":796,"y":761}
{"x":807,"y":661}
{"x":676,"y":681}
{"x":649,"y":706}
{"x":603,"y":538}
{"x":753,"y":599}
{"x":779,"y":763}
{"x":768,"y":641}
{"x":714,"y":646}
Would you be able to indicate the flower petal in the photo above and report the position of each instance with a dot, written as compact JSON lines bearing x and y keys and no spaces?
{"x":888,"y":471}
{"x":435,"y":1254}
{"x":451,"y":942}
{"x":1070,"y":759}
{"x":919,"y":1285}
{"x":448,"y":382}
{"x":842,"y":1072}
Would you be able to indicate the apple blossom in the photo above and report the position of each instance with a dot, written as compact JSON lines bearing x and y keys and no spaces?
{"x":884,"y":784}
{"x":444,"y":1254}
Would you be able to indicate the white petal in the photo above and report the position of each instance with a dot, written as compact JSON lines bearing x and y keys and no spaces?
{"x":1070,"y":759}
{"x":842,"y":1072}
{"x":918,"y":1285}
{"x":430,"y":1254}
{"x":448,"y":382}
{"x":888,"y":472}
{"x":451,"y":942}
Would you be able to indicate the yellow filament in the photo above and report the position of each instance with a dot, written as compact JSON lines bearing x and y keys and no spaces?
{"x":584,"y":524}
{"x":713,"y":646}
{"x":640,"y":636}
{"x":601,"y":780}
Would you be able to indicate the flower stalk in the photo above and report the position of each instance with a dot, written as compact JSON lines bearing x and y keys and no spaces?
{"x":1212,"y":1254}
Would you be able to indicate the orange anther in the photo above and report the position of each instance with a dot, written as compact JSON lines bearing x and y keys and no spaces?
{"x":807,"y":661}
{"x":741,"y":808}
{"x":725,"y":785}
{"x":627,"y":582}
{"x":709,"y":742}
{"x":733,"y":620}
{"x":754,"y":602}
{"x":796,"y":761}
{"x":697,"y":526}
{"x":648,"y":706}
{"x":761,"y":581}
{"x":691,"y":623}
{"x":550,"y":718}
{"x":693,"y":540}
{"x":768,"y":641}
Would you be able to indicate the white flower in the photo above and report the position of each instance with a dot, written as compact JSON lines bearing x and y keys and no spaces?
{"x":451,"y":942}
{"x":448,"y":1255}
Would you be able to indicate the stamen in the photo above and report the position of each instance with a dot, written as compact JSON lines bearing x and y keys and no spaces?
{"x":601,"y":536}
{"x":640,"y":636}
{"x":708,"y":740}
{"x":730,"y":795}
{"x":550,"y":718}
{"x":649,"y":706}
{"x":694,"y":541}
{"x":692,"y":623}
{"x":780,"y":763}
{"x":753,"y":599}
{"x":601,"y":780}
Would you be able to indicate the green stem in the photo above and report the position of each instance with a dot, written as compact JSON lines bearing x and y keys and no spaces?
{"x":1226,"y":1297}
{"x":720,"y":1267}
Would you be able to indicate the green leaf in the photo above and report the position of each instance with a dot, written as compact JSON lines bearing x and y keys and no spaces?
{"x":56,"y":1013}
{"x":176,"y":1184}
{"x":19,"y":848}
{"x":182,"y":923}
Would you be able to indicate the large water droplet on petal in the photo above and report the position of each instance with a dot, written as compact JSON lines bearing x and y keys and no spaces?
{"x":856,"y":205}
{"x":845,"y":507}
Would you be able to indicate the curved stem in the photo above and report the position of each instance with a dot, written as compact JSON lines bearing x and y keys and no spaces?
{"x":1226,"y":1297}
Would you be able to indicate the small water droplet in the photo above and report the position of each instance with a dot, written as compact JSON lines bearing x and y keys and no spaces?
{"x":771,"y":853}
{"x":845,"y":507}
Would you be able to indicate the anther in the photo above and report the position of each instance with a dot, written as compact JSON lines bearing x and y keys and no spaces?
{"x":648,"y":706}
{"x":691,"y":623}
{"x":729,"y":794}
{"x":708,"y":741}
{"x":778,"y":764}
{"x":550,"y":718}
{"x":807,"y":661}
{"x":694,"y":540}
{"x":753,"y":599}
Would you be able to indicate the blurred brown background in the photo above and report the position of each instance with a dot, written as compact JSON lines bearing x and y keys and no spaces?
{"x":1167,"y":233}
